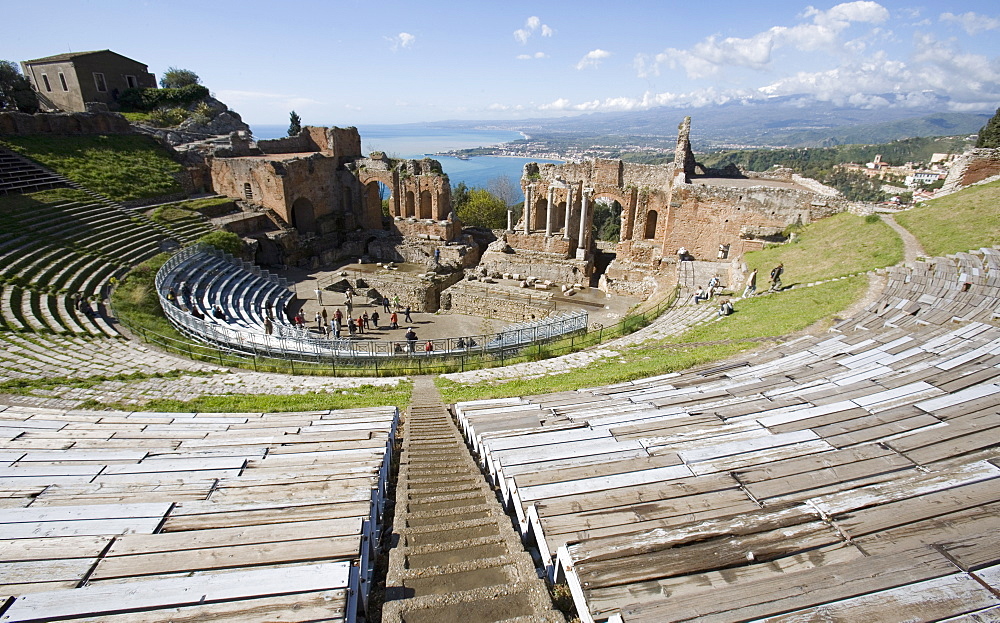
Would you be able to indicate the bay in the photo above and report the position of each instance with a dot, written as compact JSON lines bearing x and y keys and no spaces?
{"x":418,"y":141}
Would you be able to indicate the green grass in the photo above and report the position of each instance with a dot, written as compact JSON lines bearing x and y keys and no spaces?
{"x":962,"y":221}
{"x":772,"y":315}
{"x":120,"y":167}
{"x":25,"y":387}
{"x":840,"y":245}
{"x":136,"y":303}
{"x":170,"y":214}
{"x":364,"y":396}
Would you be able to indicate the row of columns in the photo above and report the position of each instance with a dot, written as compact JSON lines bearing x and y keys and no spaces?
{"x":549,"y":212}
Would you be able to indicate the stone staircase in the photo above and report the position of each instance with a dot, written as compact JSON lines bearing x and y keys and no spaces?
{"x":456,"y":557}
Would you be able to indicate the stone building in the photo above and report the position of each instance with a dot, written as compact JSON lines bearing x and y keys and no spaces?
{"x":69,"y":82}
{"x":663,"y":208}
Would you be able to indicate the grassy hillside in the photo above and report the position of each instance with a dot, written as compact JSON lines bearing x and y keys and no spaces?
{"x":843,"y":244}
{"x":968,"y":219}
{"x":120,"y":167}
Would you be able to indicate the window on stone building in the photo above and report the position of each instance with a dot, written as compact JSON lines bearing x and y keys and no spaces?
{"x":99,"y":82}
{"x":131,"y":82}
{"x":62,"y":81}
{"x":247,"y":191}
{"x":45,"y":81}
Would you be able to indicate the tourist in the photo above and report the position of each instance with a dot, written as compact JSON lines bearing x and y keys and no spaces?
{"x":395,"y":301}
{"x":366,"y":319}
{"x":776,"y":273}
{"x":361,"y":324}
{"x":338,"y":315}
{"x":406,"y":314}
{"x":751,"y":284}
{"x":350,"y":306}
{"x":375,"y":319}
{"x":393,"y":321}
{"x":336,"y":328}
{"x":218,"y":313}
{"x":268,"y":326}
{"x":385,"y":304}
{"x":319,"y":297}
{"x":411,"y":338}
{"x":700,"y":295}
{"x":460,"y":343}
{"x":350,"y":326}
{"x":682,"y":254}
{"x":429,"y":347}
{"x":713,"y":283}
{"x":726,"y":308}
{"x":325,"y":316}
{"x":172,"y":296}
{"x":318,"y":319}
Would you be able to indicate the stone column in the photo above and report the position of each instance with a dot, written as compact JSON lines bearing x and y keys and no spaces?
{"x":527,"y":209}
{"x":569,"y":206}
{"x":584,"y":204}
{"x":548,"y":212}
{"x":510,"y":220}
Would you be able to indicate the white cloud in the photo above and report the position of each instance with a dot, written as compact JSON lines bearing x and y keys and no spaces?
{"x":528,"y":57}
{"x":531,"y":25}
{"x":973,"y":23}
{"x":401,"y":41}
{"x":709,"y":56}
{"x":592,"y":58}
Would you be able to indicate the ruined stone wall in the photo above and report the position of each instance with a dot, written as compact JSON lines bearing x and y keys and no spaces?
{"x":266,"y":185}
{"x":497,"y":301}
{"x":21,"y":124}
{"x":342,"y":143}
{"x":703,"y":217}
{"x":422,"y":295}
{"x":973,"y":166}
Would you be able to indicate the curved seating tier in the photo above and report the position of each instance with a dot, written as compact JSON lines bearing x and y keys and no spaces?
{"x":853,"y":476}
{"x":19,"y":175}
{"x":122,"y":516}
{"x":57,"y":259}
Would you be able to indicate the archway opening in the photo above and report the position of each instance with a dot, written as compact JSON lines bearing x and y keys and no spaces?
{"x":426,"y":205}
{"x":607,"y":220}
{"x":650,"y":232}
{"x":303,"y":216}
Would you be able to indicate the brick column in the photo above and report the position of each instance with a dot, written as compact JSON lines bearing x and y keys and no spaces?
{"x":527,"y":209}
{"x":548,"y":213}
{"x":569,"y":206}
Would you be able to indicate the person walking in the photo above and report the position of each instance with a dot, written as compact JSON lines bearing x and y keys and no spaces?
{"x":385,"y":304}
{"x":429,"y":347}
{"x":776,"y":273}
{"x":318,"y":319}
{"x":361,"y":324}
{"x":411,"y":339}
{"x":406,"y":314}
{"x":393,"y":320}
{"x":367,"y":320}
{"x":751,"y":288}
{"x":268,"y":326}
{"x":375,"y":319}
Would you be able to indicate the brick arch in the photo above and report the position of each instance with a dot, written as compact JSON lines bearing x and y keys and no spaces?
{"x":304,"y":216}
{"x":650,"y":228}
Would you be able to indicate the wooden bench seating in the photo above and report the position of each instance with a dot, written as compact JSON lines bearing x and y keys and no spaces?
{"x":110,"y":515}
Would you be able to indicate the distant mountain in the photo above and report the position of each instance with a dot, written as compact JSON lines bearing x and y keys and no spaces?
{"x":776,"y":122}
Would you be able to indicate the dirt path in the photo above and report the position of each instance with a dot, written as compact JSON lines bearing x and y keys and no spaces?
{"x":911,"y":246}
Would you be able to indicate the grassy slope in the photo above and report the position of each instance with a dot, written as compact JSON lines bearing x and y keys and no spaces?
{"x":962,"y":221}
{"x":843,"y":244}
{"x":120,"y":167}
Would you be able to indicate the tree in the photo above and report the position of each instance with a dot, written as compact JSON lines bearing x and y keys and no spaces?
{"x":15,"y":90}
{"x":989,"y":135}
{"x":503,"y":189}
{"x":294,"y":124}
{"x":459,"y":196}
{"x":607,"y":222}
{"x":174,"y":78}
{"x":483,"y":209}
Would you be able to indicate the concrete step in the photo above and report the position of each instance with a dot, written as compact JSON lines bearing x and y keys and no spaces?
{"x":457,"y":557}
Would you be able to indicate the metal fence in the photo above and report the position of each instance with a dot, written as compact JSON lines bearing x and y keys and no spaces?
{"x":303,"y":345}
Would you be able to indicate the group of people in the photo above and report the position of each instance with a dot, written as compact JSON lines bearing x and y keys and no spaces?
{"x":775,"y":280}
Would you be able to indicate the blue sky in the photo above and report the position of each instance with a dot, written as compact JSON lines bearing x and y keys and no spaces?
{"x":350,"y":62}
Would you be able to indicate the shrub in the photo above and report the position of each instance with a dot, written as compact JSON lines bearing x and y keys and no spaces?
{"x":140,"y":100}
{"x":225,"y":241}
{"x":166,"y":117}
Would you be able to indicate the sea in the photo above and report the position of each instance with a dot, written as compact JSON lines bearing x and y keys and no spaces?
{"x":411,"y":141}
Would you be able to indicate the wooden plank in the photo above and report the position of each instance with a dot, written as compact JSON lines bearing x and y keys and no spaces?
{"x":110,"y":598}
{"x":90,"y":511}
{"x":892,"y":514}
{"x":82,"y":527}
{"x":219,"y":537}
{"x":600,"y":483}
{"x":637,"y":560}
{"x":876,"y":469}
{"x":319,"y":606}
{"x":230,"y":556}
{"x":528,"y":479}
{"x":753,"y":600}
{"x":196,"y":515}
{"x":607,"y":600}
{"x":31,"y":571}
{"x":931,"y":600}
{"x":12,"y":550}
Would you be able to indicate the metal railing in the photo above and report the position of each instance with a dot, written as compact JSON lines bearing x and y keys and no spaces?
{"x":293,"y":342}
